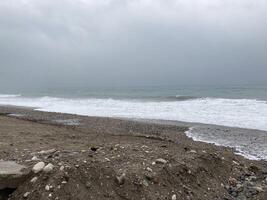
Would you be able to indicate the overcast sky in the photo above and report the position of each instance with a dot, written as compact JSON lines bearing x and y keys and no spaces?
{"x":132,"y":42}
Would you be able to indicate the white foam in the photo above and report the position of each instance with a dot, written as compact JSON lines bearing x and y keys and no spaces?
{"x":242,"y":144}
{"x":9,"y":95}
{"x":244,"y":113}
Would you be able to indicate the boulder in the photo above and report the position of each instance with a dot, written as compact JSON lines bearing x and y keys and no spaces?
{"x":12,"y":174}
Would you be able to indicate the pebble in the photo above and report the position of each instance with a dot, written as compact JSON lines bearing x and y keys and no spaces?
{"x":61,"y":168}
{"x":34,"y":179}
{"x":174,"y":197}
{"x":236,"y":163}
{"x":121,"y":179}
{"x":149,"y":176}
{"x":47,"y":151}
{"x":259,"y":189}
{"x":252,"y":178}
{"x":47,"y":187}
{"x":88,"y":184}
{"x":48,"y":168}
{"x":239,"y":187}
{"x":161,"y":161}
{"x":149,"y":169}
{"x":145,"y":183}
{"x":232,"y":181}
{"x":34,"y":158}
{"x":26,"y":194}
{"x":193,"y":151}
{"x":38,"y":167}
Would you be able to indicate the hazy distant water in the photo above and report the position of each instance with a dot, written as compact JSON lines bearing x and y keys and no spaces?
{"x":149,"y":92}
{"x":233,"y":106}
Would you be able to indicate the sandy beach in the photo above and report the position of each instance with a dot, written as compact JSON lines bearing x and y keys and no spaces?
{"x":107,"y":158}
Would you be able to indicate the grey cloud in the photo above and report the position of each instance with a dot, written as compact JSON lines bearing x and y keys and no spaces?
{"x":105,"y":42}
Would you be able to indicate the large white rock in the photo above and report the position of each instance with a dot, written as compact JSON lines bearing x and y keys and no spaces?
{"x":12,"y":174}
{"x":48,"y":168}
{"x":38,"y":167}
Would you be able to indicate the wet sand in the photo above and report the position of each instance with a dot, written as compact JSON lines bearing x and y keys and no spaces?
{"x":107,"y":158}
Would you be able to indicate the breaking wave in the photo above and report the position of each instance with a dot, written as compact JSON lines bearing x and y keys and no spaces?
{"x":244,"y":113}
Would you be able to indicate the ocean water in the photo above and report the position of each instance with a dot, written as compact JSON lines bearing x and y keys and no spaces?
{"x":233,"y":106}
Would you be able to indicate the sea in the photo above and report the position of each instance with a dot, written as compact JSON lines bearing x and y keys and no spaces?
{"x":241,"y":107}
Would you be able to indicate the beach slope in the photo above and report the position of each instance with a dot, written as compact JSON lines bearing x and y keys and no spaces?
{"x":105,"y":158}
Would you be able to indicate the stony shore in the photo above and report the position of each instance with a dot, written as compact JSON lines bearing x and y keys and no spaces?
{"x":61,"y":156}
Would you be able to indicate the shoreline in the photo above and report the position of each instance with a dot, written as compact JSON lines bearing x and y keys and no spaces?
{"x":219,"y":135}
{"x":193,"y":170}
{"x":250,"y":143}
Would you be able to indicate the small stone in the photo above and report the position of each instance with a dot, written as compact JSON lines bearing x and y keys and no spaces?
{"x":174,"y":197}
{"x":61,"y":168}
{"x":149,"y":176}
{"x":145,"y":183}
{"x":26,"y":194}
{"x":239,"y":187}
{"x":94,"y":149}
{"x":149,"y":169}
{"x":88,"y":184}
{"x":121,"y":179}
{"x":252,"y":191}
{"x":259,"y":189}
{"x":34,"y":179}
{"x":38,"y":167}
{"x":47,"y":187}
{"x":252,"y":178}
{"x":48,"y":168}
{"x":234,"y":194}
{"x":232,"y":181}
{"x":193,"y":151}
{"x":47,"y":151}
{"x":161,"y":161}
{"x":236,"y":163}
{"x":34,"y":158}
{"x":64,"y":182}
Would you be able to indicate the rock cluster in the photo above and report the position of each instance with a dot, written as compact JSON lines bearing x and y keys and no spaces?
{"x":246,"y":186}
